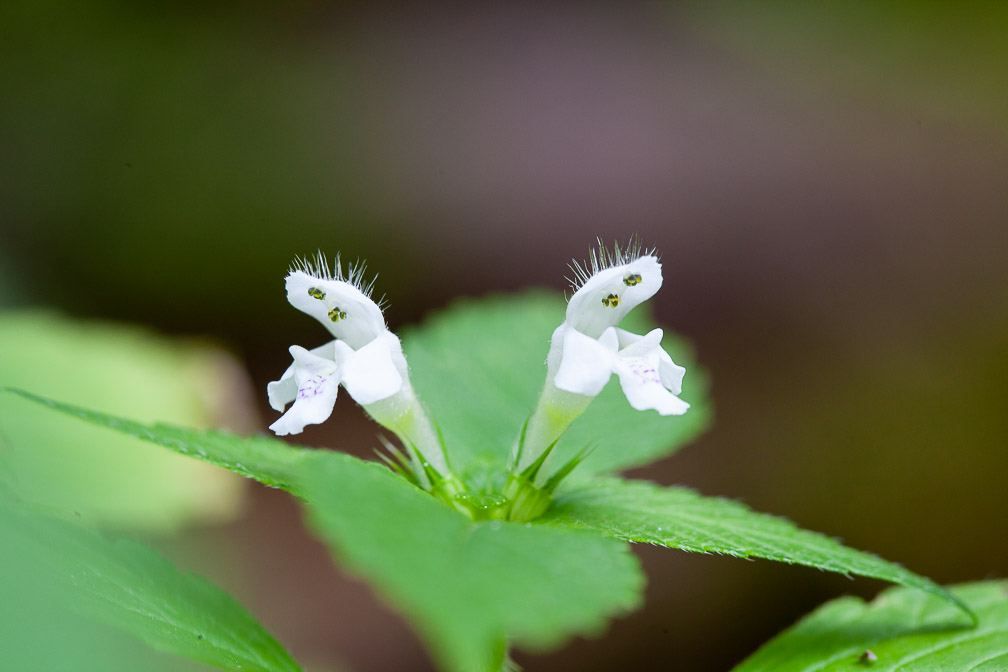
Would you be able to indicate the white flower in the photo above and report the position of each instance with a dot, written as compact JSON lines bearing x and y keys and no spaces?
{"x":365,"y":358}
{"x":588,"y":348}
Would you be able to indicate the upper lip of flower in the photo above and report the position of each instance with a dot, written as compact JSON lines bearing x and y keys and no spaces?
{"x":347,"y":312}
{"x":602,"y":299}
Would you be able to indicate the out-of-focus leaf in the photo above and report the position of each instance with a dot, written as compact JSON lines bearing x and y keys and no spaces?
{"x":128,"y":586}
{"x":269,"y":461}
{"x":467,"y":586}
{"x":40,"y":632}
{"x":61,"y":463}
{"x":900,"y":630}
{"x":680,"y":518}
{"x":479,"y":367}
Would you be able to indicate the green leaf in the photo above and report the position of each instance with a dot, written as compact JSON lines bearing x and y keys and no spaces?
{"x":682,"y":519}
{"x":480,"y":365}
{"x":129,"y":586}
{"x":42,"y":632}
{"x":269,"y":461}
{"x":63,"y":464}
{"x":467,"y":586}
{"x":903,"y":629}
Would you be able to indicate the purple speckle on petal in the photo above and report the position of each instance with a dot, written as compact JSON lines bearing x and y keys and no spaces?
{"x":645,"y":373}
{"x":311,"y":387}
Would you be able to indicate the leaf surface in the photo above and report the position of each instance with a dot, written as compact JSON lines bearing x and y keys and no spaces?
{"x":905,"y":630}
{"x":129,"y":586}
{"x":683,"y":519}
{"x":468,"y":586}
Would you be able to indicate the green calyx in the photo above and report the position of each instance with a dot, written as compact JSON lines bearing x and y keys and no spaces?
{"x":529,"y":501}
{"x":521,"y":501}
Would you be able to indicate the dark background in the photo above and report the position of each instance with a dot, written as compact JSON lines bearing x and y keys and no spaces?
{"x":827,"y":186}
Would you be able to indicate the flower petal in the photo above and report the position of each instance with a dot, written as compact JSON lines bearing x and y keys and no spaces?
{"x":606,"y":297}
{"x":670,"y":373}
{"x":284,"y":391}
{"x":642,"y":385}
{"x":636,"y":345}
{"x":370,"y":374}
{"x":347,"y":312}
{"x":586,"y":364}
{"x":317,"y":385}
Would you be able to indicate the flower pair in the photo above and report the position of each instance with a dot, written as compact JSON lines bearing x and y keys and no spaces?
{"x":585,"y":351}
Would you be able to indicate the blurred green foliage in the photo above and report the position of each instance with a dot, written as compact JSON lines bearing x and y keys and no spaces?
{"x":128,"y":586}
{"x":42,"y":629}
{"x":113,"y":480}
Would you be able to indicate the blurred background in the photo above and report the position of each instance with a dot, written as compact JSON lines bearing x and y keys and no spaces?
{"x":827,"y":185}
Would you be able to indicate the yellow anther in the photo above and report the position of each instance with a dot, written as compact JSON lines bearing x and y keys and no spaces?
{"x":316,"y":293}
{"x":336,"y":314}
{"x":632,"y":279}
{"x":611,"y":301}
